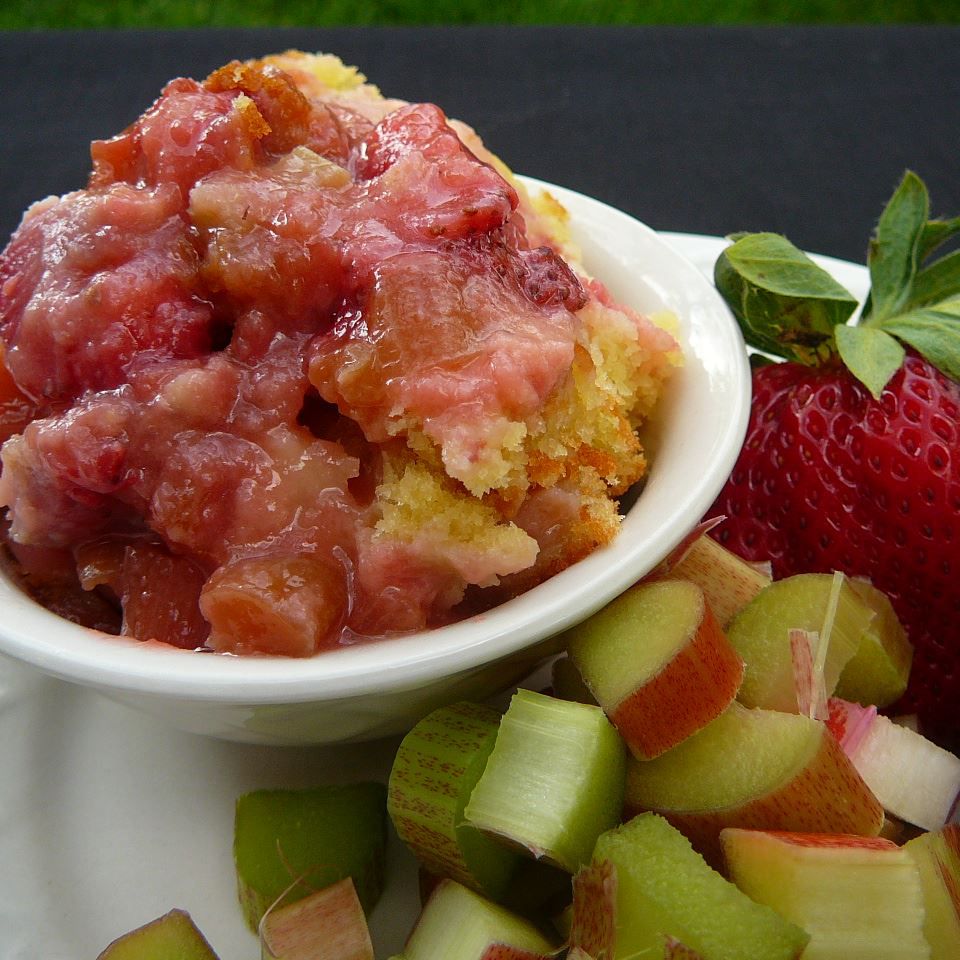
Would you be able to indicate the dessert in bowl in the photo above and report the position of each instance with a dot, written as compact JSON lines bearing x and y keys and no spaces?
{"x":449,"y":521}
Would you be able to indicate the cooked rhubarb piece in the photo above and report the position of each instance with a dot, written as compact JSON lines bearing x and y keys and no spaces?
{"x":648,"y":893}
{"x":859,"y":898}
{"x":173,"y":936}
{"x":554,"y":781}
{"x":327,"y":925}
{"x":296,"y":602}
{"x":290,"y":843}
{"x":937,"y":856}
{"x":759,"y":769}
{"x":818,"y":603}
{"x":880,"y":669}
{"x":434,"y":772}
{"x":658,"y":663}
{"x":913,"y":778}
{"x":727,"y":582}
{"x":458,"y":924}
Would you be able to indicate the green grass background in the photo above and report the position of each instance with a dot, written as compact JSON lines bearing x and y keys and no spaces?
{"x":34,"y":14}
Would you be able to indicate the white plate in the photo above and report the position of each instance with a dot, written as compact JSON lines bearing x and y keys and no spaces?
{"x":108,"y":819}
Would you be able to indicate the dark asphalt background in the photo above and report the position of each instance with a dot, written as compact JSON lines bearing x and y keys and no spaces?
{"x":801,"y":130}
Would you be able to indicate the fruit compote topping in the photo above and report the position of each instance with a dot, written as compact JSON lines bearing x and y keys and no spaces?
{"x":288,"y":374}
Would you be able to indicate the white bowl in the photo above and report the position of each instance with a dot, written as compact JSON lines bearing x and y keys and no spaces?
{"x":375,"y":689}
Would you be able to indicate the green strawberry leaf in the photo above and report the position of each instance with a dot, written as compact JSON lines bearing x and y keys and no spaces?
{"x":894,"y":249}
{"x":939,"y":281}
{"x":934,"y":332}
{"x":871,"y":355}
{"x":785,"y":304}
{"x":936,"y":232}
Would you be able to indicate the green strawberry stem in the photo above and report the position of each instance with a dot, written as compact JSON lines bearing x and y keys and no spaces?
{"x":791,"y":308}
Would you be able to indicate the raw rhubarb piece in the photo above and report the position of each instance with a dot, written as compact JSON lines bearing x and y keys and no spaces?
{"x":435,"y":770}
{"x":818,"y":603}
{"x":859,"y":898}
{"x":754,"y":768}
{"x":658,"y":663}
{"x":458,"y":924}
{"x":648,"y":893}
{"x":727,"y":582}
{"x":173,"y":936}
{"x":290,"y":843}
{"x":937,"y":856}
{"x":912,"y":777}
{"x":806,"y":651}
{"x":879,"y":671}
{"x":554,"y":781}
{"x":327,"y":925}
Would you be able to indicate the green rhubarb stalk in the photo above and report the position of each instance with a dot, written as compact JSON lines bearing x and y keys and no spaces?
{"x":880,"y":669}
{"x":290,"y":843}
{"x":459,"y":924}
{"x":554,"y":781}
{"x":173,"y":936}
{"x":819,"y":603}
{"x":648,"y":893}
{"x":326,"y":925}
{"x":435,"y":770}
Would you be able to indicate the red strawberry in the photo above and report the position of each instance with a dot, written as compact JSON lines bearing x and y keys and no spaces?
{"x":839,"y":475}
{"x":831,"y":479}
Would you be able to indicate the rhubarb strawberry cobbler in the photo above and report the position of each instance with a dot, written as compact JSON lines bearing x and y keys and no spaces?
{"x":304,"y":366}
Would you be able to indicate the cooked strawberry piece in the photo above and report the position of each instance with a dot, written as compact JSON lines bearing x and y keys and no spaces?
{"x":548,"y":281}
{"x":443,"y":340}
{"x":197,"y":492}
{"x":94,"y":282}
{"x":335,"y":132}
{"x":68,"y":600}
{"x":267,"y":238}
{"x":189,"y":132}
{"x":59,"y":475}
{"x":428,"y":184}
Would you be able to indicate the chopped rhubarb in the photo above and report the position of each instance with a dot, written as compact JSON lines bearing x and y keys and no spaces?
{"x":857,"y":897}
{"x":291,"y":843}
{"x":554,"y":781}
{"x":434,"y":772}
{"x":173,"y":936}
{"x":647,"y":893}
{"x":327,"y":925}
{"x":912,"y":777}
{"x":458,"y":924}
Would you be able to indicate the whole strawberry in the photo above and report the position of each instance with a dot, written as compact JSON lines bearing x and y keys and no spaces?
{"x":852,"y":456}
